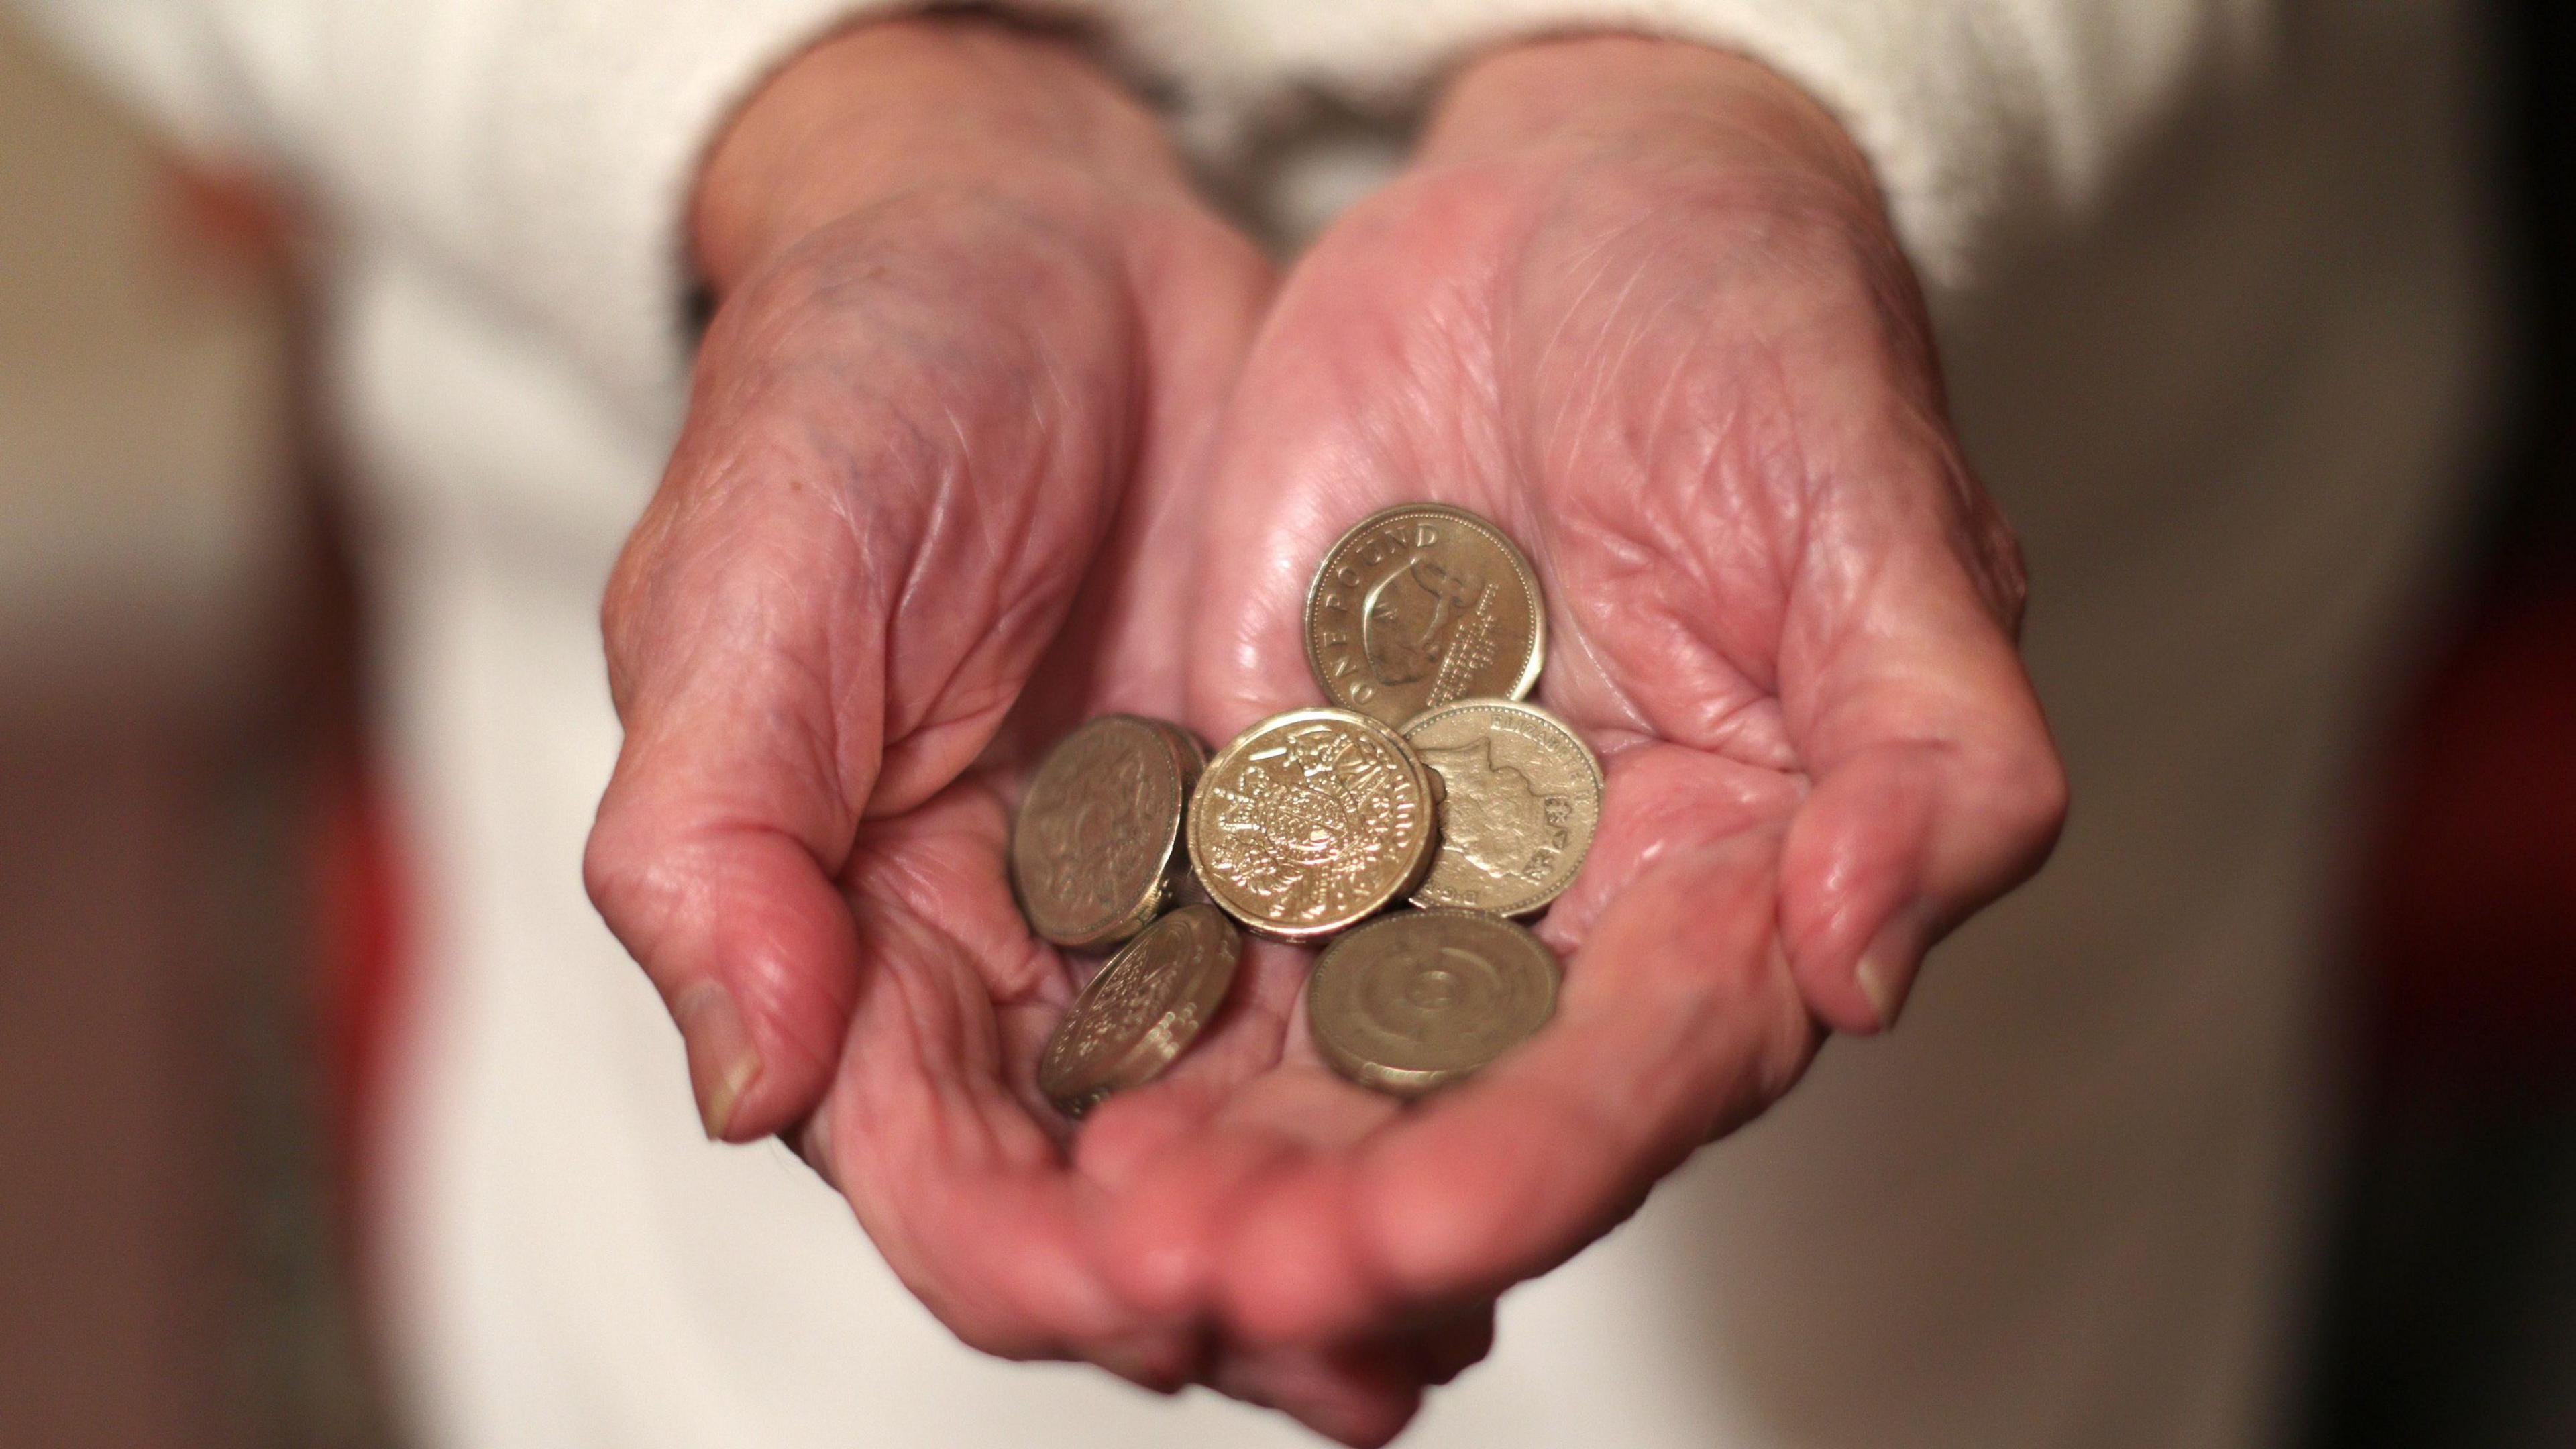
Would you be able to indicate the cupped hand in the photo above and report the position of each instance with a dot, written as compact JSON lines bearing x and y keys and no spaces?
{"x":1638,"y":303}
{"x":926,"y":512}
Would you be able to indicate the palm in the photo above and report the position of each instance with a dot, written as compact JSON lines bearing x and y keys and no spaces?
{"x":1611,"y":367}
{"x":957,"y":476}
{"x":908,"y":540}
{"x":1605,"y":386}
{"x":906,"y":531}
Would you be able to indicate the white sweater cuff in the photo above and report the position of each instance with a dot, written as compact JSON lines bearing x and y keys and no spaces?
{"x":1944,"y":98}
{"x":593,"y":142}
{"x":596,"y":136}
{"x":596,"y":132}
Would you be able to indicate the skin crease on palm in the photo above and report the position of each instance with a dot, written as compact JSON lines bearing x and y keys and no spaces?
{"x":997,"y":427}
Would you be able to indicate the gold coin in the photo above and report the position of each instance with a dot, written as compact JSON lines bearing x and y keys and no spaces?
{"x":1187,"y":752}
{"x":1421,"y":605}
{"x":1190,"y":755}
{"x":1520,"y":798}
{"x":1095,"y":849}
{"x":1424,"y":997}
{"x":1142,"y":1010}
{"x":1311,"y":822}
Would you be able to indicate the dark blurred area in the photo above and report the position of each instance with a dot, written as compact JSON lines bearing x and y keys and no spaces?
{"x":180,"y":808}
{"x":2450,"y":1313}
{"x":175,"y":707}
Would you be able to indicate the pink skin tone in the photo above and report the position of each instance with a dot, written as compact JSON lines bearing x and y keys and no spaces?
{"x":926,"y":513}
{"x":998,"y":427}
{"x":1637,"y":303}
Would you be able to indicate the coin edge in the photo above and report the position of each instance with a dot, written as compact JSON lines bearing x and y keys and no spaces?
{"x":1123,"y":1073}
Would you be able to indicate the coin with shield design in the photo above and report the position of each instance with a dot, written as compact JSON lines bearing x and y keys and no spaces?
{"x":1310,"y":822}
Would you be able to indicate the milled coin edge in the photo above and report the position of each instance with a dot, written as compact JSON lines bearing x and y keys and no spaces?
{"x":1180,"y":875}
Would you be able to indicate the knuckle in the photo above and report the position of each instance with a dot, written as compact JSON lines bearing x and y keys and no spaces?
{"x":2003,"y":569}
{"x":620,"y":614}
{"x":2028,"y":795}
{"x":621,"y":872}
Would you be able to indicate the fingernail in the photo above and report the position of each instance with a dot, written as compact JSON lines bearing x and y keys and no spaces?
{"x":722,"y":1061}
{"x":1888,"y":963}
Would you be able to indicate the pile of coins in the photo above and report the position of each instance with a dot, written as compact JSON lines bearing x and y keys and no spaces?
{"x":1407,"y":824}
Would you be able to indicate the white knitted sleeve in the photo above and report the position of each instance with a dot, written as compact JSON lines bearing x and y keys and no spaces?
{"x":541,"y":150}
{"x":1970,"y":110}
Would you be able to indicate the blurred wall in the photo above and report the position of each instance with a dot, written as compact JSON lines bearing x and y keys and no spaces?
{"x":141,"y":403}
{"x":147,"y":902}
{"x":2451,"y":1319}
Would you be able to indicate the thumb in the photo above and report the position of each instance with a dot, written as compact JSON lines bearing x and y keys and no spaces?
{"x":1936,"y":785}
{"x":713,"y":858}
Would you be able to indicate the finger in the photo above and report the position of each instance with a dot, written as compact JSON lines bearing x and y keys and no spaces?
{"x":1676,"y":1022}
{"x":1124,"y":1135}
{"x":1660,"y":798}
{"x":1166,"y":1243}
{"x":1936,"y":786}
{"x":754,"y":718}
{"x":927,"y":402}
{"x":1456,"y":1345}
{"x":709,"y":861}
{"x":928,"y":1133}
{"x":1033,"y":1303}
{"x":1362,"y":1396}
{"x":1295,"y":1266}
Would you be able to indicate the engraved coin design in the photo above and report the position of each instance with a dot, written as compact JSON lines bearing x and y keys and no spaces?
{"x":1095,"y":845}
{"x":1311,"y":822}
{"x":1419,"y":606}
{"x":1520,"y":798}
{"x":1142,"y":1010}
{"x":1422,"y":998}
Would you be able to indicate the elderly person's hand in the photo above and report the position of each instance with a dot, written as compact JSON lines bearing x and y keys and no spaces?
{"x":955,"y":477}
{"x":1638,"y":303}
{"x":926,"y":513}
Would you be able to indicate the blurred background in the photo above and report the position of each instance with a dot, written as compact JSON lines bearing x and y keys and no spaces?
{"x":187,"y":901}
{"x":177,"y":736}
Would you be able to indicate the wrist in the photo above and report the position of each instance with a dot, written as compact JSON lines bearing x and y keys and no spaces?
{"x":908,"y":106}
{"x":1650,"y":98}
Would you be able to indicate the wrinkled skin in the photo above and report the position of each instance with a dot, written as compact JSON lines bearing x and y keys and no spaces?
{"x":978,"y":449}
{"x":927,"y":512}
{"x":1684,"y":365}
